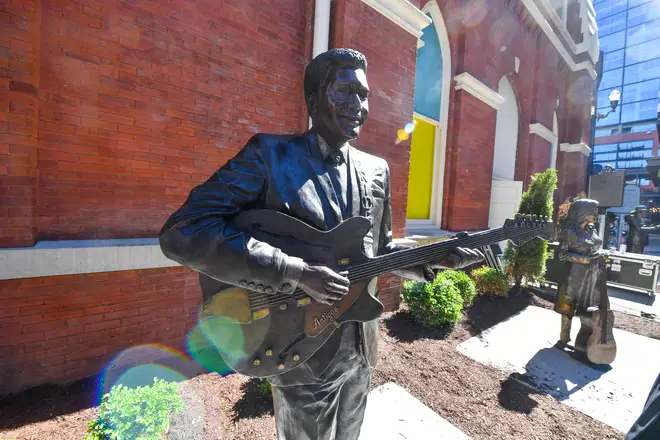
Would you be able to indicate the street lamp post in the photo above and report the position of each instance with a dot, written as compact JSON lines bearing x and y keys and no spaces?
{"x":615,"y":98}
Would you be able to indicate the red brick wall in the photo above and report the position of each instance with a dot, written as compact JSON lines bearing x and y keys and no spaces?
{"x":19,"y":106}
{"x":469,"y":164}
{"x":138,"y":102}
{"x":572,"y":175}
{"x":67,"y":327}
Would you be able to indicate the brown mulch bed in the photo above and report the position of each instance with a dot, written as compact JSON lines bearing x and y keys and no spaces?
{"x":483,"y":402}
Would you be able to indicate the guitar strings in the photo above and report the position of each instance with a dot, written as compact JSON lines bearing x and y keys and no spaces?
{"x":369,"y":269}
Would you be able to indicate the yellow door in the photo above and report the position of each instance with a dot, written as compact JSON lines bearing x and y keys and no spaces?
{"x":420,"y":178}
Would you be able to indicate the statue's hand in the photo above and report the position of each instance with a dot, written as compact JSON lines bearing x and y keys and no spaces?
{"x":458,"y":258}
{"x":323,"y":284}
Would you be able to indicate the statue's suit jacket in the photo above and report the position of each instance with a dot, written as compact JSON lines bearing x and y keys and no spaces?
{"x":285,"y":173}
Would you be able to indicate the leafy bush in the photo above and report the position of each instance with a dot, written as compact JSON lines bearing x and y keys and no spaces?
{"x":527,"y":261}
{"x":433,"y":304}
{"x":141,"y":413}
{"x":490,"y":281}
{"x":265,"y":388}
{"x":463,"y":282}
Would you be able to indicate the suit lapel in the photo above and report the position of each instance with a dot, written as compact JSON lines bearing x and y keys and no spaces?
{"x":327,"y":192}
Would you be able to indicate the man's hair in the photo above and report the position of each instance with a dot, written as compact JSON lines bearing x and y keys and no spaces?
{"x":316,"y":73}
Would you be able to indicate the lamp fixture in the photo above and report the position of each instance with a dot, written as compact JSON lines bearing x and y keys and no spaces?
{"x":615,"y":97}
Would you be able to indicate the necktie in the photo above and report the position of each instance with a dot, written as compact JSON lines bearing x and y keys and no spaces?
{"x":338,"y":171}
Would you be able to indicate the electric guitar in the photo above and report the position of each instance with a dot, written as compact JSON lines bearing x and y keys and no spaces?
{"x":261,"y":334}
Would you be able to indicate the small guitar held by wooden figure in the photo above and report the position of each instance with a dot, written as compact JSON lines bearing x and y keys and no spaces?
{"x":596,"y":337}
{"x":262,"y":334}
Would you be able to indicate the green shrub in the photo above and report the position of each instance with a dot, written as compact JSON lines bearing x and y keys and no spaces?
{"x":265,"y":388}
{"x":463,"y":282}
{"x":527,"y":261}
{"x":141,"y":413}
{"x":433,"y":304}
{"x":490,"y":281}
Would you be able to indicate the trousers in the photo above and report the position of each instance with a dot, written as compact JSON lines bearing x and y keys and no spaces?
{"x":329,"y":407}
{"x":647,"y":425}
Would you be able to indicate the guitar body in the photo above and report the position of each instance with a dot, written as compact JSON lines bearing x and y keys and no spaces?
{"x":265,"y":334}
{"x":596,"y":337}
{"x":586,"y":330}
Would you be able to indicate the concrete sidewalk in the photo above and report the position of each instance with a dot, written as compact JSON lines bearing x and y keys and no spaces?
{"x":394,"y":414}
{"x":523,"y":346}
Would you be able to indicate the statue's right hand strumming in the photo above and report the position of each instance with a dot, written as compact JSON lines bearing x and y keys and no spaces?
{"x":323,"y":284}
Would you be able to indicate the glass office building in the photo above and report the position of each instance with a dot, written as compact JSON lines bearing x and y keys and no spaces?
{"x":629,"y":34}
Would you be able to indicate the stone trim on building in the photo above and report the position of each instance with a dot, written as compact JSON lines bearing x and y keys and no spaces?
{"x":403,"y":13}
{"x":575,"y":148}
{"x":467,"y":82}
{"x":542,"y":131}
{"x":542,"y":22}
{"x":70,"y":257}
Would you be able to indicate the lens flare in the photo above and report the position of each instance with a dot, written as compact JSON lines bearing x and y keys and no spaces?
{"x":474,"y":12}
{"x":138,"y":366}
{"x":227,"y":325}
{"x":205,"y":354}
{"x":579,"y":91}
{"x":403,"y":134}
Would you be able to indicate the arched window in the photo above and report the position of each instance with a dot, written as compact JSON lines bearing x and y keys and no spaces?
{"x":506,"y":133}
{"x":428,"y":141}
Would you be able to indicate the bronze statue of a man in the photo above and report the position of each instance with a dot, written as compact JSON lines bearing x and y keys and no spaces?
{"x":319,"y":178}
{"x":639,"y":227}
{"x":579,"y":288}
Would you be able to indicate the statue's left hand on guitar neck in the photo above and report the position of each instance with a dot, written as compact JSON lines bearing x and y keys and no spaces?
{"x":458,"y":258}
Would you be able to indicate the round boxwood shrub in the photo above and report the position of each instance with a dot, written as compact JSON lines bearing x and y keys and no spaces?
{"x":136,"y":413}
{"x":490,"y":281}
{"x":433,"y":304}
{"x":465,"y":284}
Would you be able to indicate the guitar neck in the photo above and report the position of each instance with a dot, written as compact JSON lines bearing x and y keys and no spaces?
{"x":422,"y":254}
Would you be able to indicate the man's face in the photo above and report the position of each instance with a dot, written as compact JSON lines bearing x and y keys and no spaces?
{"x":589,"y":222}
{"x":342,"y":106}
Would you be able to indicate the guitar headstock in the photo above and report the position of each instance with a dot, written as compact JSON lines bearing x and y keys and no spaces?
{"x":525,"y":227}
